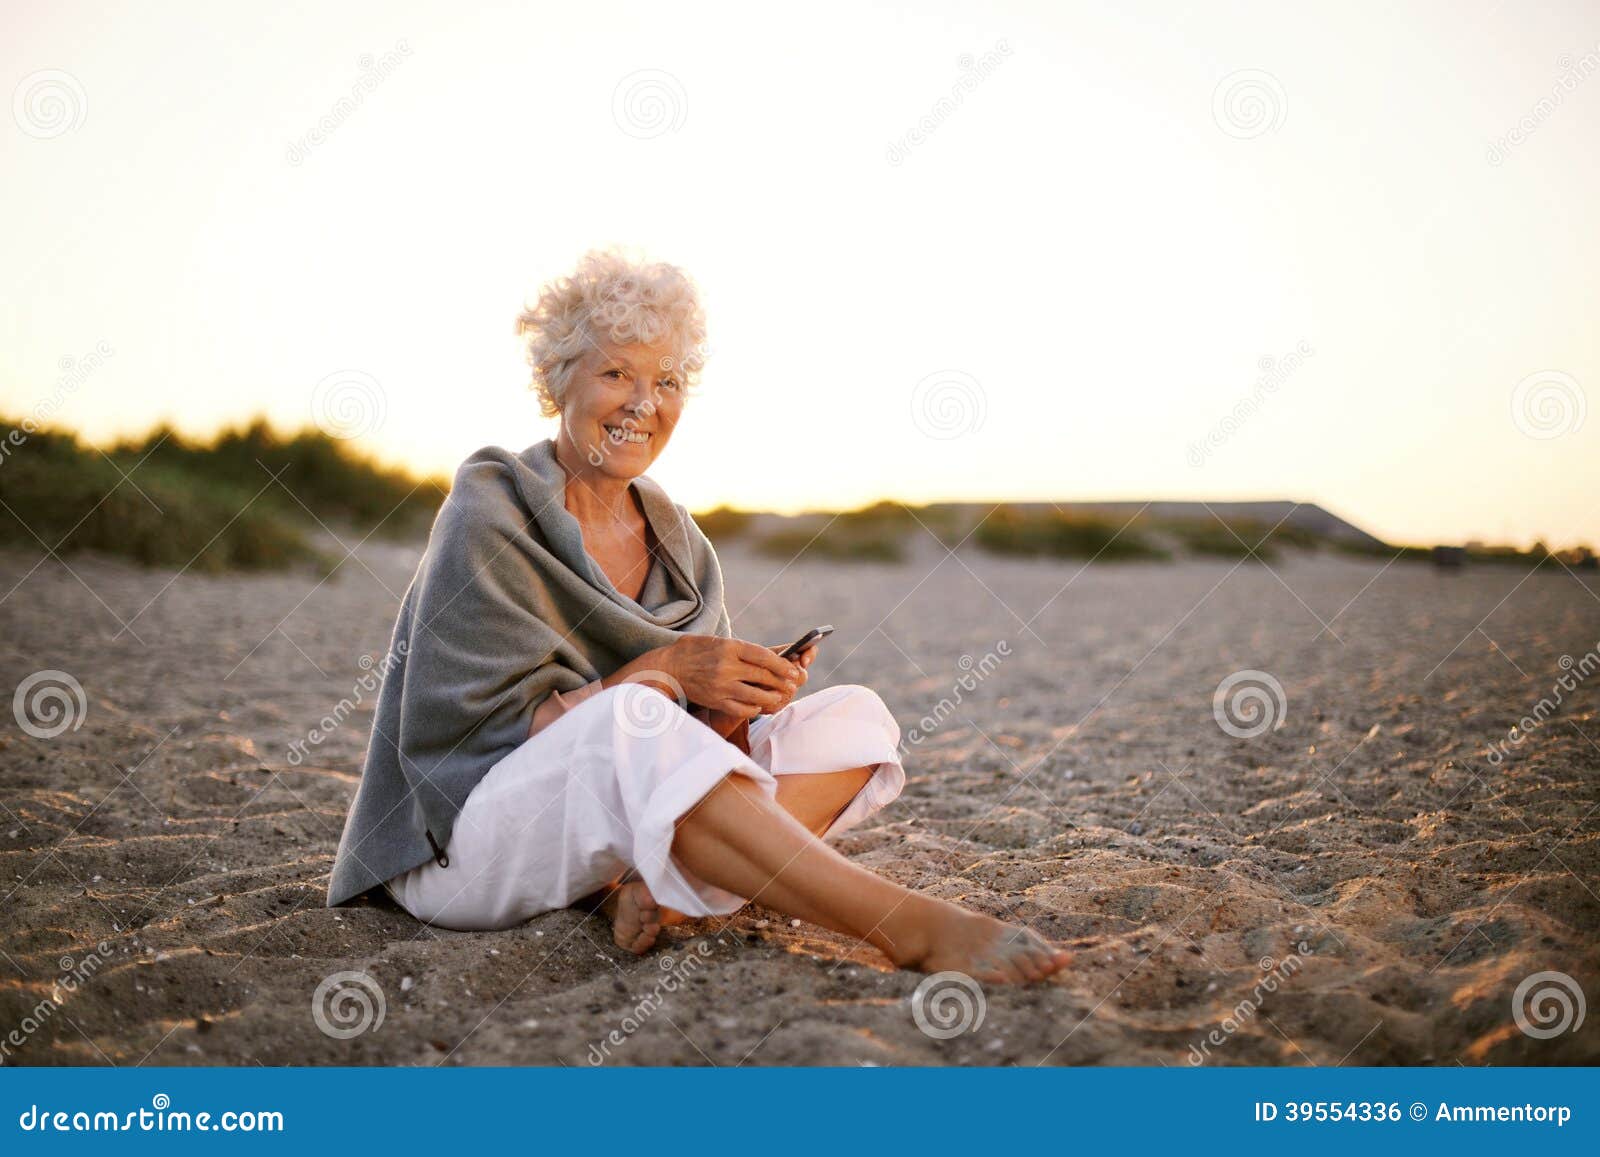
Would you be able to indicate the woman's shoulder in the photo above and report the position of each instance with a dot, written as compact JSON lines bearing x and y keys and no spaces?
{"x":494,"y":476}
{"x":483,"y":473}
{"x":693,"y":527}
{"x":488,"y":496}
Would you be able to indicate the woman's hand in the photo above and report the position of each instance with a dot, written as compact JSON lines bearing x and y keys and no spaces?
{"x":724,"y":724}
{"x":803,"y":660}
{"x":730,"y":676}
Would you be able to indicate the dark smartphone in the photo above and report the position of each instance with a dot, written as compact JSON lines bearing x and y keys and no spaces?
{"x":805,"y":641}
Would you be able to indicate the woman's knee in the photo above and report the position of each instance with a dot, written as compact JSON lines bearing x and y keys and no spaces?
{"x":860,"y":702}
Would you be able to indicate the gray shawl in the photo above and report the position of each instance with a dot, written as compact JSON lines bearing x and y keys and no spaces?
{"x":506,"y":607}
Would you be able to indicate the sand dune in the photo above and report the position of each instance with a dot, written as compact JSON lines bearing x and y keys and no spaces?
{"x":1358,"y":884}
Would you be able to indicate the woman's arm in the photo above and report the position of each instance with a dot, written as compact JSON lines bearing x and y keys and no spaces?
{"x":638,"y":670}
{"x":558,"y":703}
{"x":657,"y":668}
{"x":651,"y":669}
{"x":725,"y":724}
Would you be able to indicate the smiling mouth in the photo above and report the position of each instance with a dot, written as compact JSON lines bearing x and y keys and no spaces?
{"x":621,"y":435}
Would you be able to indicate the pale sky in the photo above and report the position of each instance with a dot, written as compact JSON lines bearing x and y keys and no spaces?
{"x":1060,"y":291}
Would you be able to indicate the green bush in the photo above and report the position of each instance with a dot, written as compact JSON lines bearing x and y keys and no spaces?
{"x":73,"y":499}
{"x":876,"y":533}
{"x":847,"y":544}
{"x":724,"y":523}
{"x":321,"y":472}
{"x":212,"y":507}
{"x":1386,"y":553}
{"x":1056,"y":534}
{"x":1217,"y":539}
{"x":897,"y":519}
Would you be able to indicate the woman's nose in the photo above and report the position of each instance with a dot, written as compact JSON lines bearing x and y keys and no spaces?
{"x":640,"y":402}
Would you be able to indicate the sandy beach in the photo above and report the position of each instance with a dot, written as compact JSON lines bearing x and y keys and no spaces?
{"x":1360,"y":883}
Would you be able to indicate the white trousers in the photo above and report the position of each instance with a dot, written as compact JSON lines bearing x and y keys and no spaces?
{"x":600,"y":790}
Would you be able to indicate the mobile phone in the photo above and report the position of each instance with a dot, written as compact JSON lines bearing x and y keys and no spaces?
{"x":805,"y":641}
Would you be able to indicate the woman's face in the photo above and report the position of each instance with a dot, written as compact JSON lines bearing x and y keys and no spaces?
{"x":620,"y":408}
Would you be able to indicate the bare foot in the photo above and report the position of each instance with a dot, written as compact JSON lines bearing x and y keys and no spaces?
{"x":943,"y":937}
{"x":635,"y":916}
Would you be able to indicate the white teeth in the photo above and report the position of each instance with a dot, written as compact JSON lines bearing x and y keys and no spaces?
{"x":618,"y":434}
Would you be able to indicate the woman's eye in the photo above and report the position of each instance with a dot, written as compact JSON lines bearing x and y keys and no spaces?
{"x":608,"y":373}
{"x":671,"y":384}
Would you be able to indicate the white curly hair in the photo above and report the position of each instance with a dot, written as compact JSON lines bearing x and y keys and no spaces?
{"x":614,"y":298}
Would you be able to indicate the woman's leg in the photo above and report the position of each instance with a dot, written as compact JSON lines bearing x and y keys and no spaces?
{"x":835,"y":754}
{"x":705,"y":826}
{"x":815,"y":800}
{"x":571,"y":809}
{"x":739,"y":839}
{"x":809,"y":747}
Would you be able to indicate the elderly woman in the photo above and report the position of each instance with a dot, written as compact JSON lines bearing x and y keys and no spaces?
{"x":567,"y":714}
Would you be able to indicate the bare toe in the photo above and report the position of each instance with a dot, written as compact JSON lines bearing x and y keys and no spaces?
{"x":1046,"y":957}
{"x":988,"y":950}
{"x":1052,"y":960}
{"x":635,"y":917}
